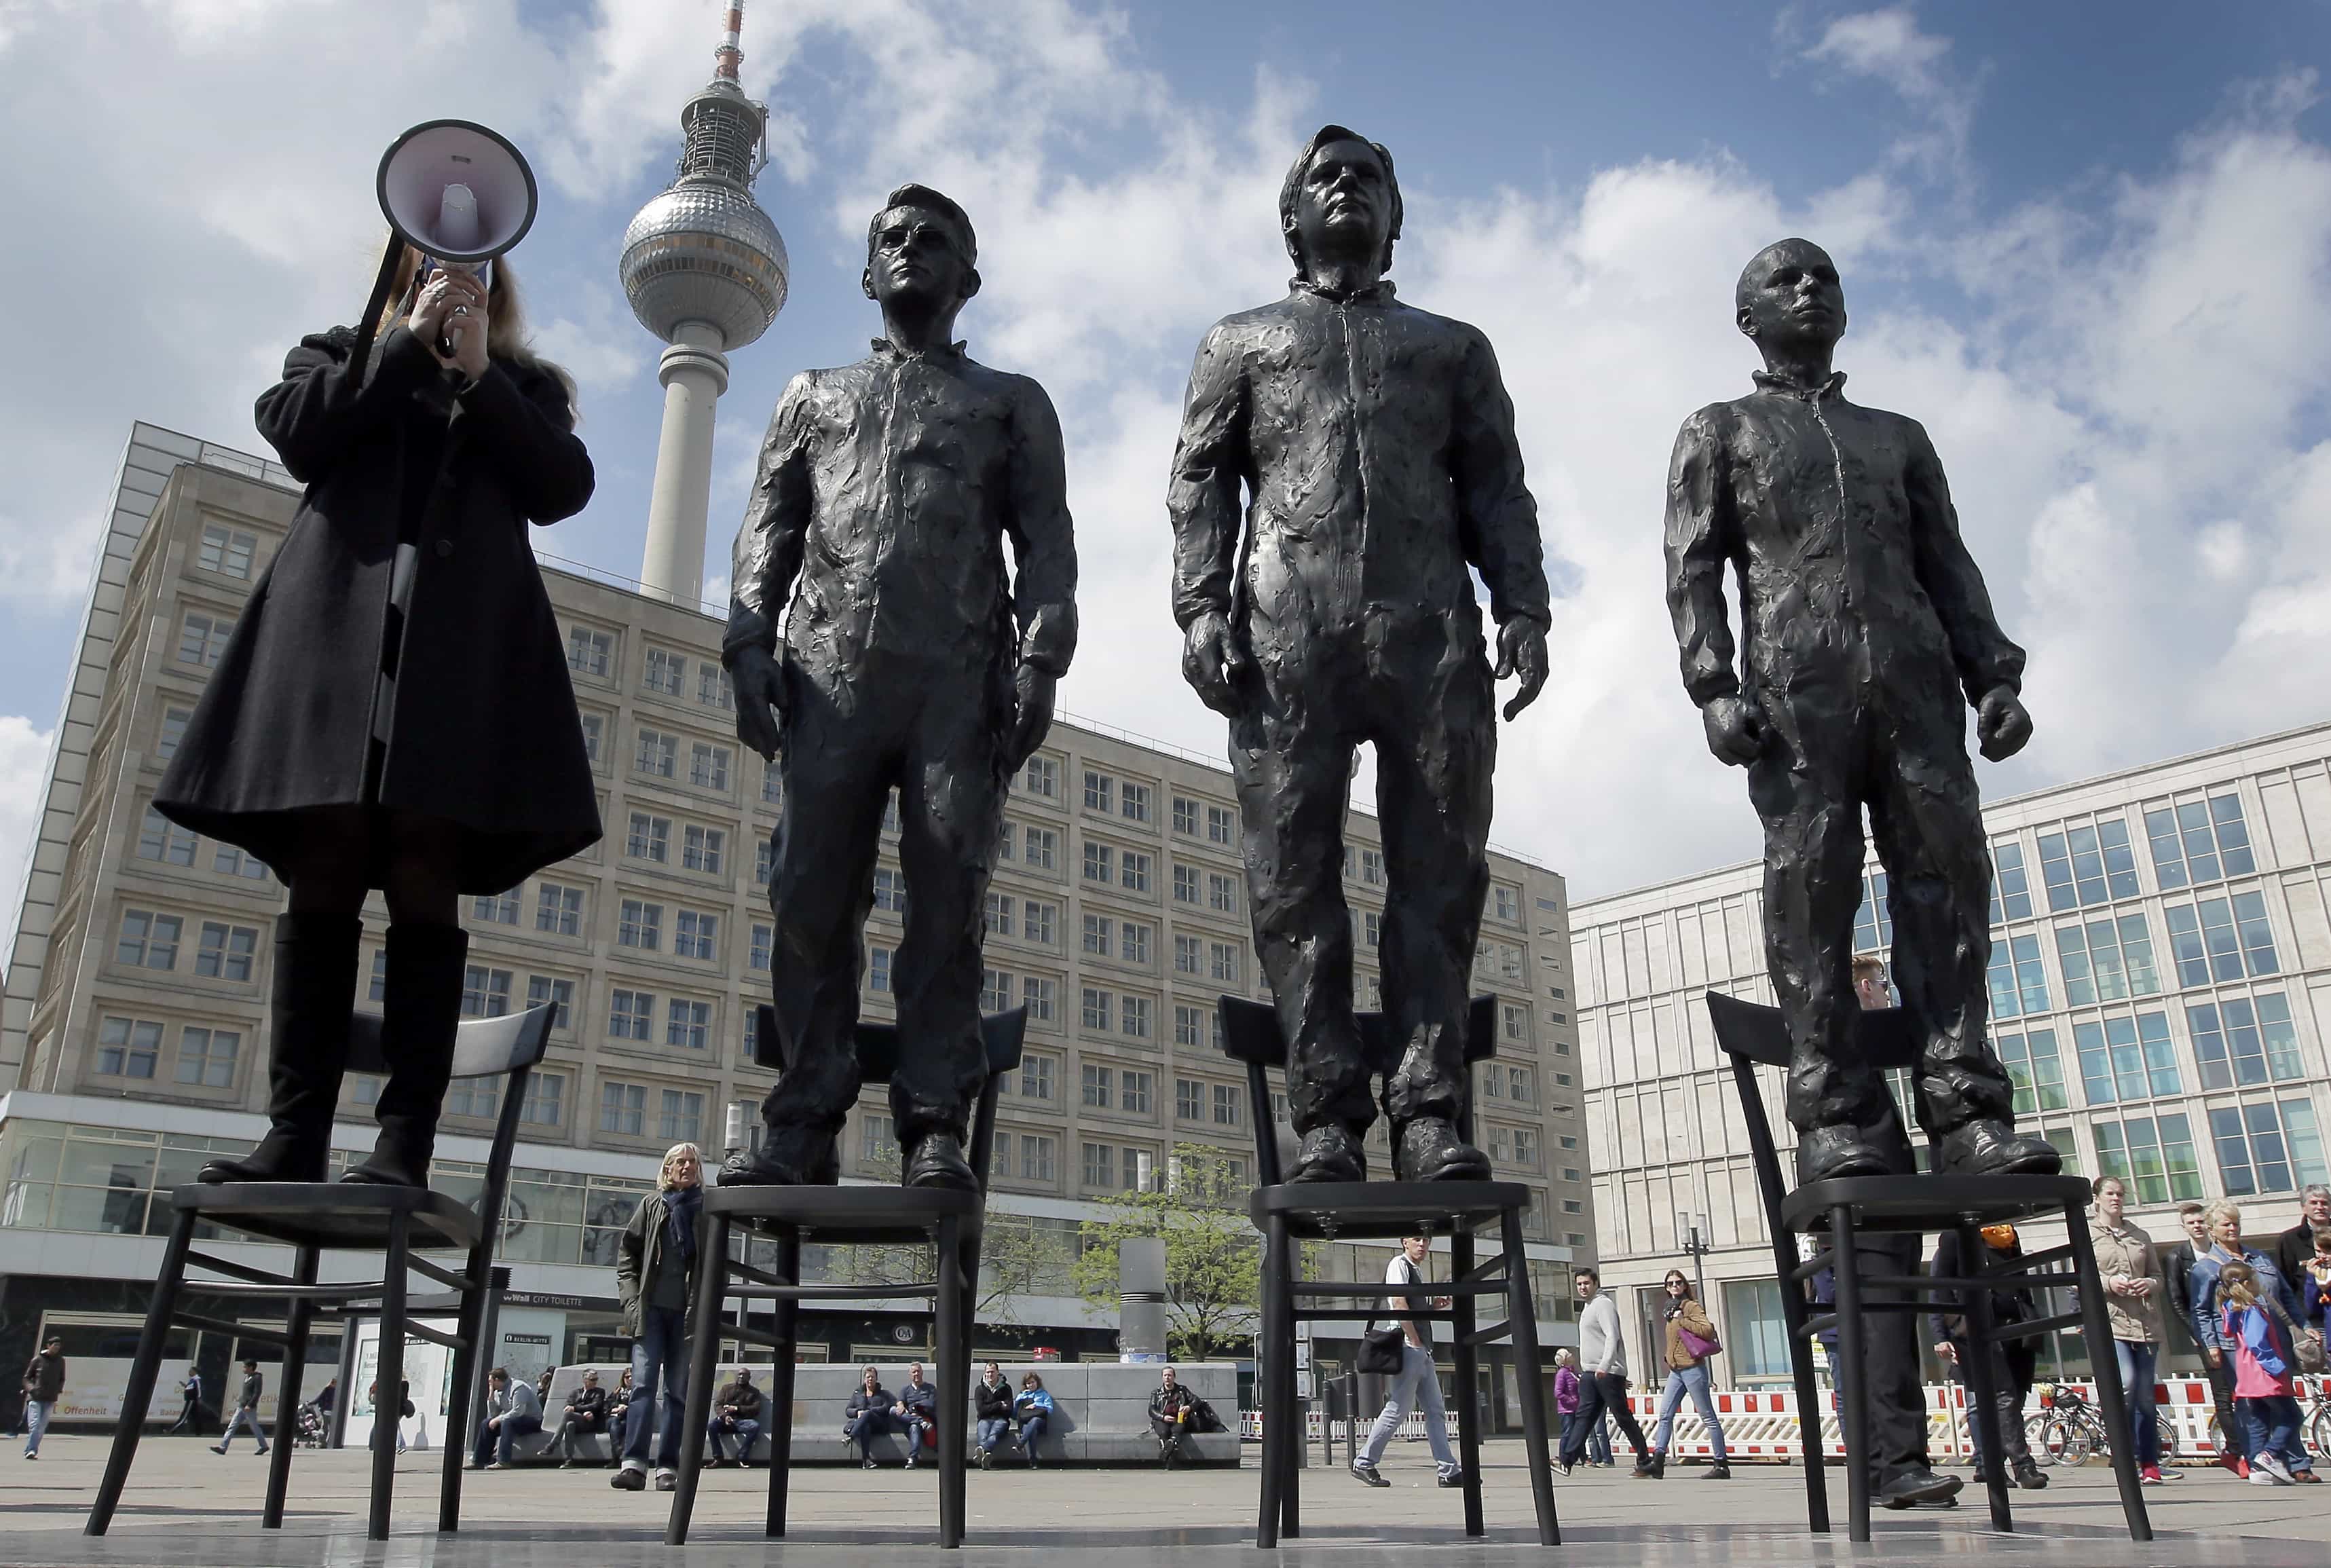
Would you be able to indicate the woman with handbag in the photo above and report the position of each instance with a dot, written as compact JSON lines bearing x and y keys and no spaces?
{"x":1402,"y":1352}
{"x":1690,"y":1341}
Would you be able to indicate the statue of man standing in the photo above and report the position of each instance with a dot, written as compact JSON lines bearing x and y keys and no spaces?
{"x":1375,"y":446}
{"x":1869,"y":635}
{"x":912,"y":659}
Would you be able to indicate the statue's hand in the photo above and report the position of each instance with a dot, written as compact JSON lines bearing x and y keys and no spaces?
{"x":2002,"y":727}
{"x":1032,"y":715}
{"x":1736,"y":728}
{"x":1212,"y":664}
{"x":1521,"y":650}
{"x":760,"y":700}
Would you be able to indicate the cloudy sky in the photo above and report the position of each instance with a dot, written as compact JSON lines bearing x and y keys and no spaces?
{"x":2086,"y":246}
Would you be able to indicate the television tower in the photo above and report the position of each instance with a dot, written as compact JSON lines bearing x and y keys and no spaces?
{"x":704,"y":270}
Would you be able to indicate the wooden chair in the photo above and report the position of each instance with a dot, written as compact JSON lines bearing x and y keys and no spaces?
{"x":1838,"y":1210}
{"x":1289,"y":1212}
{"x":949,"y":1222}
{"x":317,"y":1217}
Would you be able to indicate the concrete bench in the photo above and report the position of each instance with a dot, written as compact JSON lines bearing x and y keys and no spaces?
{"x":1102,"y":1413}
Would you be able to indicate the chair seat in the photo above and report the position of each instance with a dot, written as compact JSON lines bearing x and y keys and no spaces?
{"x":1925,"y":1203}
{"x":846,"y":1214}
{"x":333,"y":1214}
{"x":1346,"y":1210}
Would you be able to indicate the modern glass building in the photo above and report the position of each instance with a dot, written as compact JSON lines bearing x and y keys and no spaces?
{"x":2160,"y":989}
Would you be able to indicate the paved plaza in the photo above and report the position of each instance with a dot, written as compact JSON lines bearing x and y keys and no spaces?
{"x":189,"y":1509}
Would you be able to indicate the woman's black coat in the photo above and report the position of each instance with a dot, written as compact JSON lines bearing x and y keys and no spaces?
{"x":484,"y":731}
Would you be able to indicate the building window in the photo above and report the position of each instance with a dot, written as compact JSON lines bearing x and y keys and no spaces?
{"x":237,"y":862}
{"x":542,"y":988}
{"x":1042,"y":849}
{"x":1227,"y":1108}
{"x":2244,"y":1040}
{"x":649,"y":839}
{"x":149,"y":941}
{"x":1221,"y":893}
{"x":544,"y":1092}
{"x":630,"y":1014}
{"x":2124,"y":1059}
{"x":686,"y":1024}
{"x":703,"y":850}
{"x":995,"y":990}
{"x":995,"y":919}
{"x":1041,"y":997}
{"x":667,"y":673}
{"x":173,"y":730}
{"x":878,"y":1138}
{"x":207,"y":1055}
{"x":658,"y":754}
{"x":2197,"y":842}
{"x":225,"y":952}
{"x":590,"y":652}
{"x":1097,"y":928}
{"x":160,"y":839}
{"x":622,"y":1108}
{"x":226,"y":551}
{"x":2107,"y":959}
{"x":1095,"y":1010}
{"x":1185,"y":815}
{"x":1098,"y":863}
{"x":1222,"y":962}
{"x":1136,"y":1014}
{"x":1132,"y":802}
{"x":2087,"y":865}
{"x":2038,"y":1071}
{"x":2011,"y":888}
{"x":558,"y":910}
{"x":2153,"y":1156}
{"x":203,"y":638}
{"x":1185,"y":884}
{"x":2267,"y":1146}
{"x":707,"y":766}
{"x":1100,"y":791}
{"x":695,"y":934}
{"x":2018,"y":984}
{"x":128,"y":1048}
{"x":640,"y":925}
{"x":1041,"y":776}
{"x":485,"y":993}
{"x":2220,"y":938}
{"x":714,"y":688}
{"x":1096,"y":1083}
{"x":1039,"y":922}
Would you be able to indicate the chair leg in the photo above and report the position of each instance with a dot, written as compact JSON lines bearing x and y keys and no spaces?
{"x":386,"y":1406}
{"x":953,"y":1391}
{"x":287,"y":1392}
{"x":703,"y":1359}
{"x":471,"y":1327}
{"x":1521,"y":1307}
{"x":1276,"y":1417}
{"x":2112,"y":1399}
{"x":784,"y":1320}
{"x":1810,"y":1448}
{"x":1468,"y":1359}
{"x":1852,"y":1349}
{"x":142,"y":1374}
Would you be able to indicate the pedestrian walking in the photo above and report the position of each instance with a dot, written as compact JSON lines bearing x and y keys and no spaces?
{"x":1689,"y":1339}
{"x":246,"y":1410}
{"x":1603,"y":1375}
{"x":44,"y":1384}
{"x":1418,"y":1381}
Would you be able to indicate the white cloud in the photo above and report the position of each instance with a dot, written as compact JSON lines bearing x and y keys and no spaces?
{"x":23,"y":764}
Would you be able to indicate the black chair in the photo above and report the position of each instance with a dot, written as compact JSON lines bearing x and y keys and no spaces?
{"x":1288,"y":1212}
{"x":315,"y":1217}
{"x":951,"y":1222}
{"x":1838,"y":1210}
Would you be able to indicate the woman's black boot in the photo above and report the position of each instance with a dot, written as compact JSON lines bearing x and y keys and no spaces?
{"x":421,"y":1004}
{"x":308,"y":1018}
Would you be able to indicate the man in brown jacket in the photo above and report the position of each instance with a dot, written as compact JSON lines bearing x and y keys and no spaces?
{"x":2131,"y":1271}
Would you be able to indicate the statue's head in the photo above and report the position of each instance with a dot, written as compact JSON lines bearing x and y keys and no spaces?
{"x":1341,"y":196}
{"x":1788,"y":297}
{"x":920,"y":251}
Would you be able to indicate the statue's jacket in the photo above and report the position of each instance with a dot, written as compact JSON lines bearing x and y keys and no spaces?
{"x":1377,"y":444}
{"x":1855,"y":585}
{"x":884,"y":494}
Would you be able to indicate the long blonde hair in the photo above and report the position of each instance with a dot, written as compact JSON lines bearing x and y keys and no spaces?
{"x":506,"y":333}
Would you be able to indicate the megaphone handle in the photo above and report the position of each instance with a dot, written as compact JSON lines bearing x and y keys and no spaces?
{"x":368,"y":325}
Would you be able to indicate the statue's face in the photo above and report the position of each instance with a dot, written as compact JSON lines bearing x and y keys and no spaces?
{"x":1794,"y":298}
{"x":1344,"y":202}
{"x":916,"y":260}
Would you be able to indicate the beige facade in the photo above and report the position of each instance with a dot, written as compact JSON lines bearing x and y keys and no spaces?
{"x":1118,"y":912}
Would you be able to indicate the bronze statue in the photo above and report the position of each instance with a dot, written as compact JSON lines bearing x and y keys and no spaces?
{"x":912,"y":659}
{"x":1375,"y":446}
{"x":1868,"y":633}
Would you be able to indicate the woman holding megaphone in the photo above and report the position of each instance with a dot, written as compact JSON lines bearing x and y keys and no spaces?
{"x":392,"y":711}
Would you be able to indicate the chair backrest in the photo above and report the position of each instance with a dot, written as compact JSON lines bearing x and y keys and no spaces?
{"x":1001,"y":1035}
{"x":1250,"y":1036}
{"x":509,"y":1046}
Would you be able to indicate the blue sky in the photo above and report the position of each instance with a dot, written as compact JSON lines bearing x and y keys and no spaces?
{"x":2086,"y":245}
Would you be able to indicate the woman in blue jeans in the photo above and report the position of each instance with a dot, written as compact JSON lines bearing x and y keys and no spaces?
{"x":1687,"y":1360}
{"x":655,"y":1276}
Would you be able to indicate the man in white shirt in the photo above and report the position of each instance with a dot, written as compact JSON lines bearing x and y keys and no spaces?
{"x":1416,"y":1381}
{"x":1601,"y":1376}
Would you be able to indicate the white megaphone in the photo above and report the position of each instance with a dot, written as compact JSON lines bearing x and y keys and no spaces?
{"x":455,"y":191}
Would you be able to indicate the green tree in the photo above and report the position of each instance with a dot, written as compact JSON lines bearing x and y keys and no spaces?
{"x":1214,"y":1258}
